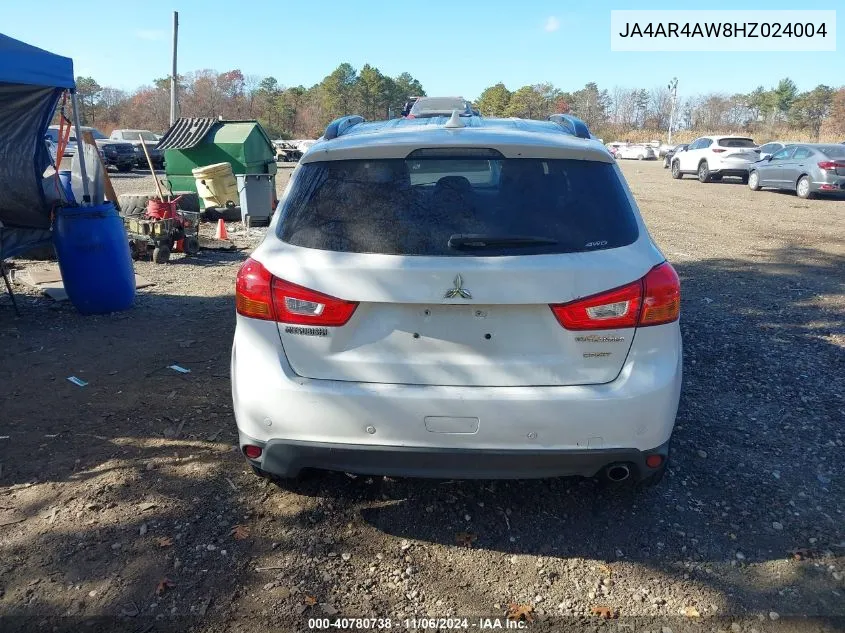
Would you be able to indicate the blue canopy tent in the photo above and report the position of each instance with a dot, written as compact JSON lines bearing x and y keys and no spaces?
{"x":90,"y":240}
{"x":31,"y":83}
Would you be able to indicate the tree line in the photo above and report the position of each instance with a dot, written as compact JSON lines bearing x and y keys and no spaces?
{"x":620,"y":112}
{"x":285,"y":112}
{"x":616,"y":113}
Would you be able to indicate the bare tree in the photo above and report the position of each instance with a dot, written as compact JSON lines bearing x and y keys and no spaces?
{"x":251,"y":85}
{"x":659,"y":108}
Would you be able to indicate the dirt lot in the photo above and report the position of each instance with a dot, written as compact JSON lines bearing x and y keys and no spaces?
{"x":124,"y":504}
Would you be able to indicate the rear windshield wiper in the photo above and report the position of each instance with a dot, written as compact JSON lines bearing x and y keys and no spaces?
{"x":461,"y":241}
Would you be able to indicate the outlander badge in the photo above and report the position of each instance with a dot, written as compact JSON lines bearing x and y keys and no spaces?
{"x":458,"y":290}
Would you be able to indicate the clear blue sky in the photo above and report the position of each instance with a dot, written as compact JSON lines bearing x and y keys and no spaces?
{"x":453,"y":47}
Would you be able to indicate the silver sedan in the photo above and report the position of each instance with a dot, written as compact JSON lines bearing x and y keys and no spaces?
{"x":806,"y":169}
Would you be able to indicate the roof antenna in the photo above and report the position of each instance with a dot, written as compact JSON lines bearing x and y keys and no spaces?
{"x":454,"y":120}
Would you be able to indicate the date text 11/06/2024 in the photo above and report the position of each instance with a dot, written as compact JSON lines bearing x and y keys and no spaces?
{"x":417,"y":624}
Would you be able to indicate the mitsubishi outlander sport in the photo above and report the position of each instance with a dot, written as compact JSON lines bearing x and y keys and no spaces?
{"x":458,"y":297}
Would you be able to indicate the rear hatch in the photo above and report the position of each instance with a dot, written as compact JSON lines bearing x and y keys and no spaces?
{"x":737,"y":149}
{"x":443,"y":271}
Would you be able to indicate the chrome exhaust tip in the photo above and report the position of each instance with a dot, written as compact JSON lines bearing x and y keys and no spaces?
{"x":617,"y":472}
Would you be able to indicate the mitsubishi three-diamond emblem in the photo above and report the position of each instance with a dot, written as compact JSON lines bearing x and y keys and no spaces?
{"x":458,"y":290}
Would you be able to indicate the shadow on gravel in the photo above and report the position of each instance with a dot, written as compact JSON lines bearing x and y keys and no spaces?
{"x":756,"y":471}
{"x":108,"y":489}
{"x":211,"y":259}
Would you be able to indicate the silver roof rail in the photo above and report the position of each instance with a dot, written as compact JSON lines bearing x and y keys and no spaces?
{"x":340,"y":126}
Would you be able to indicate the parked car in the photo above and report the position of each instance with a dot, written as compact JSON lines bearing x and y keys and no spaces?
{"x":398,"y":318}
{"x":406,"y":109}
{"x":713,"y":157}
{"x":52,"y":136}
{"x":428,"y":107}
{"x":770,"y":148}
{"x":287,"y":151}
{"x":671,"y":152}
{"x":117,"y":154}
{"x":637,"y":152}
{"x":613,"y":148}
{"x":136,"y":138}
{"x":305,"y":144}
{"x":658,"y":148}
{"x":662,"y":149}
{"x":807,"y":169}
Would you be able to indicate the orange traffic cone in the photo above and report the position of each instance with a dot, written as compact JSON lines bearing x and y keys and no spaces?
{"x":222,"y":233}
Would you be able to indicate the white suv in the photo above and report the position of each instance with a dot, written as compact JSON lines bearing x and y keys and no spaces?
{"x":637,"y":152}
{"x":457,"y":297}
{"x":712,"y":157}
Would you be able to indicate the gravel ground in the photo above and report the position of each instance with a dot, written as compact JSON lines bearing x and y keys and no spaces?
{"x":126,"y":500}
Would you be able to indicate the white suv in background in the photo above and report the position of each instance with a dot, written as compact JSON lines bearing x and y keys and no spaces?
{"x":713,"y":157}
{"x":636,"y":151}
{"x":470,"y":298}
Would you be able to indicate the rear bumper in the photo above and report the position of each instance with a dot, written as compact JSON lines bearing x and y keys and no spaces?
{"x":286,"y":459}
{"x":120,"y":160}
{"x":832,"y":186}
{"x":560,"y":430}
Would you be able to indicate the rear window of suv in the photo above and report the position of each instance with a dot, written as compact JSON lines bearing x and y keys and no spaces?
{"x":415,"y":206}
{"x":737,"y":142}
{"x":438,"y":105}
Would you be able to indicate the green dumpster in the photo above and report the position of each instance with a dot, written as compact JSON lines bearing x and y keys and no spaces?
{"x":195,"y":142}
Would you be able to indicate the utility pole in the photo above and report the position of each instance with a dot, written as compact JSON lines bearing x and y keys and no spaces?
{"x":673,"y":87}
{"x":173,"y":76}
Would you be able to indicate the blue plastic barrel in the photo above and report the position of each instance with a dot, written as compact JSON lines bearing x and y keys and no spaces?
{"x":94,"y":258}
{"x":64,"y":179}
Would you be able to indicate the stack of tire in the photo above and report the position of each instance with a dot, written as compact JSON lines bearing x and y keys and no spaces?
{"x":228,"y":214}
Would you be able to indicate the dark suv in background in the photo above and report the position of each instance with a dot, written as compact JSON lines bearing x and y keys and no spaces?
{"x":114,"y":153}
{"x":138,"y":137}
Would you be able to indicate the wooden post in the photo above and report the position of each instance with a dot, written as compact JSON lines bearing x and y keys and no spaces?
{"x":88,"y":139}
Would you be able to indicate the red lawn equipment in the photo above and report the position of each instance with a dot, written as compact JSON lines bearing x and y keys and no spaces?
{"x":164,"y":227}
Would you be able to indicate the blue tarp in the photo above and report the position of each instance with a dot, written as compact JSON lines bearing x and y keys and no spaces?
{"x":24,"y":64}
{"x":31,"y":82}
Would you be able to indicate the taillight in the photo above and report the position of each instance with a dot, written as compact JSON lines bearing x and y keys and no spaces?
{"x":661,"y":296}
{"x":259,"y":295}
{"x":716,"y":150}
{"x":252,"y":291}
{"x":653,"y":300}
{"x":830,"y":165}
{"x":617,"y":308}
{"x":295,"y":304}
